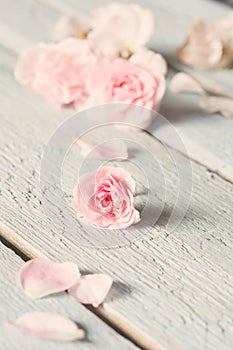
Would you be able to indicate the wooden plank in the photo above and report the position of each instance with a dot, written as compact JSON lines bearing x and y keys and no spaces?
{"x":14,"y":303}
{"x":201,"y":133}
{"x":181,"y":294}
{"x":173,"y":290}
{"x":208,"y":138}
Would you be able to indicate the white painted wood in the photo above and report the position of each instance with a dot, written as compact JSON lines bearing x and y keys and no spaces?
{"x":173,"y":290}
{"x":208,"y":138}
{"x":14,"y":303}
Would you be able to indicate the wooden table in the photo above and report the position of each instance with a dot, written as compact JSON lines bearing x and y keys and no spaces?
{"x":172,"y":290}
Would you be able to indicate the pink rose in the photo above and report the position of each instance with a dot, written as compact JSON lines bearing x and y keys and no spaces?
{"x":122,"y":81}
{"x":105,"y":198}
{"x":74,"y":24}
{"x":209,"y":44}
{"x":150,"y":60}
{"x":120,"y":29}
{"x":202,"y":48}
{"x":57,"y":71}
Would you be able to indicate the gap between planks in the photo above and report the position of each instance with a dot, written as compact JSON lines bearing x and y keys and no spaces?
{"x":120,"y":325}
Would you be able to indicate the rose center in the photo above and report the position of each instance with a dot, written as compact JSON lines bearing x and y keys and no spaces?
{"x":106,"y":200}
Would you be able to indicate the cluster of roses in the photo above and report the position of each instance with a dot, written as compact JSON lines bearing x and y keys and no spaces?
{"x":101,"y":59}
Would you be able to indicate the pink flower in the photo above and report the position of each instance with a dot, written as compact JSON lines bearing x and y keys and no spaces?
{"x":57,"y":71}
{"x":122,"y":81}
{"x":120,"y":29}
{"x":74,"y":24}
{"x":202,"y":48}
{"x":150,"y":60}
{"x":105,"y":198}
{"x":209,"y":44}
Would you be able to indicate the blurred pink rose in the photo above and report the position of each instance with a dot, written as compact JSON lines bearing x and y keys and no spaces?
{"x":150,"y":60}
{"x":57,"y":71}
{"x":209,"y":44}
{"x":105,"y":198}
{"x":202,"y":48}
{"x":74,"y":24}
{"x":120,"y":29}
{"x":122,"y":81}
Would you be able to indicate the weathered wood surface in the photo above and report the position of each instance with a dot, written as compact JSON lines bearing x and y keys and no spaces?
{"x":14,"y":303}
{"x":173,"y":290}
{"x":163,"y":282}
{"x":207,"y":138}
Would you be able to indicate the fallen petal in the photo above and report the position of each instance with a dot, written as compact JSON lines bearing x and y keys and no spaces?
{"x":182,"y":82}
{"x":113,"y":149}
{"x":91,"y":289}
{"x":214,"y":104}
{"x":40,"y":277}
{"x":47,"y":326}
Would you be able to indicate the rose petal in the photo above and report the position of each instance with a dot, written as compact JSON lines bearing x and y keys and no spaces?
{"x":109,"y":34}
{"x":47,"y":326}
{"x":91,"y":289}
{"x":122,"y":81}
{"x":152,"y":61}
{"x":57,"y":71}
{"x":71,"y":25}
{"x":223,"y":105}
{"x":114,"y":149}
{"x":182,"y":82}
{"x":40,"y":277}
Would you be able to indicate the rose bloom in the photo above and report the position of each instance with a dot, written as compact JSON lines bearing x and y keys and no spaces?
{"x":74,"y":24}
{"x":121,"y":29}
{"x":209,"y":44}
{"x":150,"y":60}
{"x":57,"y":71}
{"x":105,"y":198}
{"x":123,"y":81}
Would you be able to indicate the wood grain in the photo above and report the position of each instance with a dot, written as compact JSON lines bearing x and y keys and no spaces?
{"x":163,"y":282}
{"x":14,"y":303}
{"x":208,"y":138}
{"x":173,"y":291}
